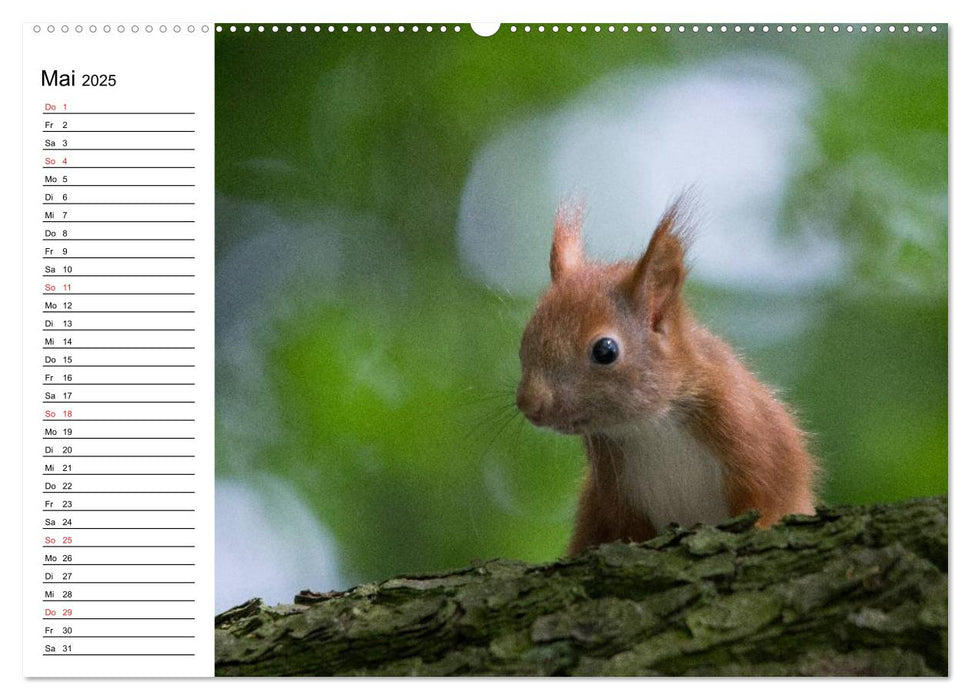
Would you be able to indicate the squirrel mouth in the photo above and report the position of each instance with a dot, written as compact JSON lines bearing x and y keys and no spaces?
{"x":574,"y":427}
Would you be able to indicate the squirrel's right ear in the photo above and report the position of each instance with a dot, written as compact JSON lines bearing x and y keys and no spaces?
{"x":655,"y":282}
{"x":567,"y":251}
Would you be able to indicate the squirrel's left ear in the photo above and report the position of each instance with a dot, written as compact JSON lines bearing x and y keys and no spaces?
{"x":655,"y":283}
{"x":567,"y":251}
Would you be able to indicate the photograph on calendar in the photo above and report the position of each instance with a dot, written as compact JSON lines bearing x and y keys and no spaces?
{"x":581,"y":350}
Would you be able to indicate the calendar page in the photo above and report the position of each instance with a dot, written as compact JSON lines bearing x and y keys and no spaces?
{"x":118,"y":339}
{"x":543,"y":348}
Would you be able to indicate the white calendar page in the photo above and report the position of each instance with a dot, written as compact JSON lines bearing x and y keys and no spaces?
{"x":119,"y":406}
{"x":118,"y":324}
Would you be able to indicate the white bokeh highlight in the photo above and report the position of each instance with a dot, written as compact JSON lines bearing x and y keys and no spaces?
{"x":269,"y":544}
{"x":734,"y":131}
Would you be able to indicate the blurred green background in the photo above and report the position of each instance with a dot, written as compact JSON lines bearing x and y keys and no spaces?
{"x":384,"y":203}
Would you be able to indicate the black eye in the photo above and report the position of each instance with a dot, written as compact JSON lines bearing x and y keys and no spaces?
{"x":605,"y":351}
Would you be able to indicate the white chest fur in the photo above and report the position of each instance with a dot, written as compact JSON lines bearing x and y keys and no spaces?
{"x":669,"y":475}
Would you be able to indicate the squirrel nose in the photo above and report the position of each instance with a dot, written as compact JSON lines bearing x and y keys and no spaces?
{"x":534,"y":400}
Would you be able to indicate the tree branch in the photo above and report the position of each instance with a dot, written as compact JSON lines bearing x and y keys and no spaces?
{"x":854,"y":590}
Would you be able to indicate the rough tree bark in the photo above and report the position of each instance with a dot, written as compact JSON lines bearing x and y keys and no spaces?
{"x":851,"y":591}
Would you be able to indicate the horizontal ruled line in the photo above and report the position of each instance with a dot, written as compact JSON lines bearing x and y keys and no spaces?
{"x":118,"y":347}
{"x":117,"y":221}
{"x":55,"y":655}
{"x":121,"y":473}
{"x":116,"y":420}
{"x":101,"y":276}
{"x":71,"y":563}
{"x":117,"y":257}
{"x":72,"y":239}
{"x":118,"y":149}
{"x":125,"y":184}
{"x":102,"y":583}
{"x":114,"y":113}
{"x":118,"y":510}
{"x":118,"y":384}
{"x":115,"y":437}
{"x":119,"y":167}
{"x":112,"y":204}
{"x":119,"y":636}
{"x":76,"y":365}
{"x":128,"y":456}
{"x":124,"y":311}
{"x":118,"y":131}
{"x":118,"y":546}
{"x":118,"y":600}
{"x":122,"y":294}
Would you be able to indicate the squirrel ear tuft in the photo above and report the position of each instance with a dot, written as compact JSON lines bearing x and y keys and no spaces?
{"x":655,"y":282}
{"x":567,"y":251}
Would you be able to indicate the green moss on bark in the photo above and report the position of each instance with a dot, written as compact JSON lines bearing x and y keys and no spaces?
{"x":851,"y":591}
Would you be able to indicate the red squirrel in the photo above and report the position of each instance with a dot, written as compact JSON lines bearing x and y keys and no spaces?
{"x":675,"y":428}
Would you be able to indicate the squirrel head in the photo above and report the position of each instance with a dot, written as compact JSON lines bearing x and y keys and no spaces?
{"x":605,"y":345}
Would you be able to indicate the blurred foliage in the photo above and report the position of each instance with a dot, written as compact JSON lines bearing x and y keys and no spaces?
{"x":389,"y":394}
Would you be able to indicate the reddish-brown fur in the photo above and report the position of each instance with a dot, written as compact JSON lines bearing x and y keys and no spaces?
{"x":669,"y":365}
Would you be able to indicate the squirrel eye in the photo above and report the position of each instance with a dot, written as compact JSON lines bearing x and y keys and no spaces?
{"x":605,"y":351}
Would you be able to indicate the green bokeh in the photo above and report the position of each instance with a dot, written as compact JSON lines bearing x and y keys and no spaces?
{"x":388,"y":395}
